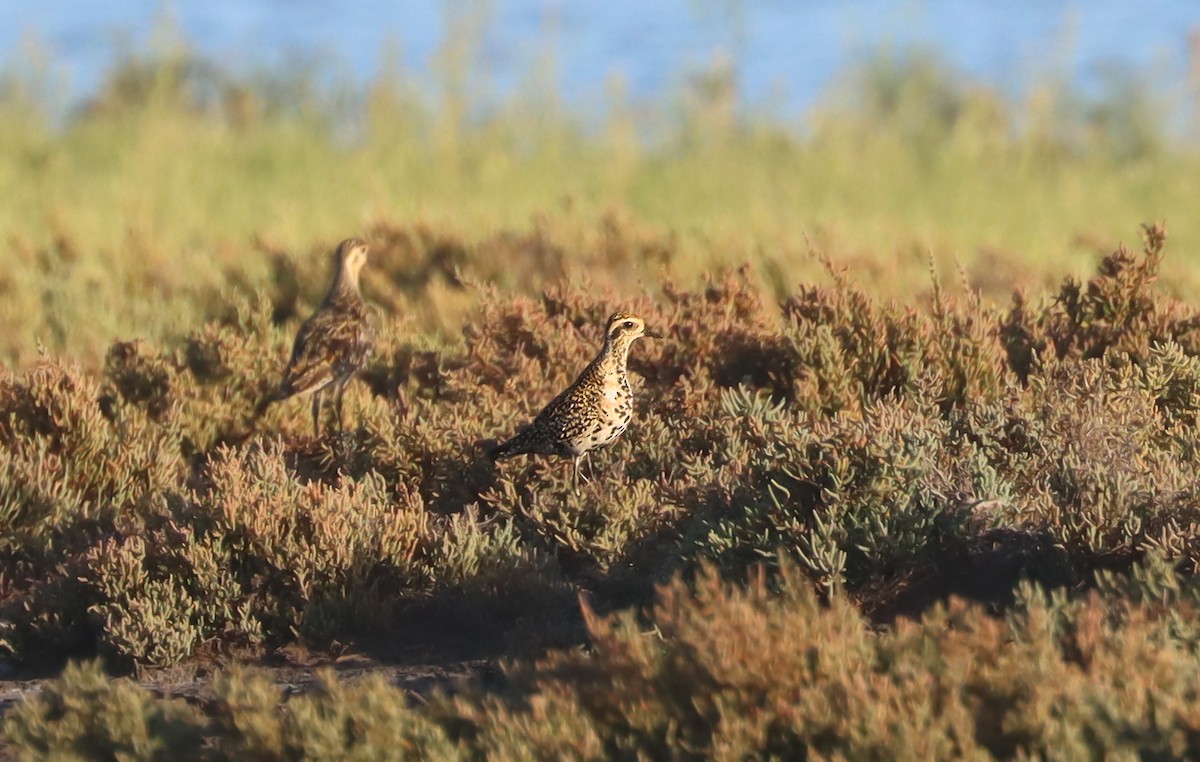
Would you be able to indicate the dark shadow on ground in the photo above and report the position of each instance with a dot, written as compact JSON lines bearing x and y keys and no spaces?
{"x":986,"y":572}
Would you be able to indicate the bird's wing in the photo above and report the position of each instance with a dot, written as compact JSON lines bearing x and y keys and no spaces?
{"x":558,"y":423}
{"x":329,"y":344}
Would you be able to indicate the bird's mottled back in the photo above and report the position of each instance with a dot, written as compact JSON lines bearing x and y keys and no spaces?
{"x":331,"y":345}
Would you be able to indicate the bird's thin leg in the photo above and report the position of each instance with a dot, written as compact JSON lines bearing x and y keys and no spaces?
{"x":584,"y":458}
{"x":337,"y":403}
{"x":591,"y":473}
{"x":316,"y":411}
{"x":575,"y":474}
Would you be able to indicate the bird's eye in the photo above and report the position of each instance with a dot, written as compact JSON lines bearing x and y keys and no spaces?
{"x":629,"y":324}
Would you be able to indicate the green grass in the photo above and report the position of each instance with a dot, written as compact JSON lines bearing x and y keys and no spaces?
{"x":159,"y":192}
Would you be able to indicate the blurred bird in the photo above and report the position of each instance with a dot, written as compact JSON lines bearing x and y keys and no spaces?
{"x":334,"y":343}
{"x":593,"y":411}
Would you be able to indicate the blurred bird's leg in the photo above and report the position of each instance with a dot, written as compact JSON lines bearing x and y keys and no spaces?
{"x":575,"y":474}
{"x":337,"y":402}
{"x":316,"y":411}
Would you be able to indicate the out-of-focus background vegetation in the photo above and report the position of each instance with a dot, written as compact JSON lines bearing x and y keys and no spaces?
{"x":915,"y":471}
{"x":137,"y":206}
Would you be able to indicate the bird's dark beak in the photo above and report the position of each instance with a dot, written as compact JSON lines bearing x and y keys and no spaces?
{"x":652,"y":334}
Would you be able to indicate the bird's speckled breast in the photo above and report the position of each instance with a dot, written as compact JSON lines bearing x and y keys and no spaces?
{"x":616,"y":409}
{"x":617,"y":397}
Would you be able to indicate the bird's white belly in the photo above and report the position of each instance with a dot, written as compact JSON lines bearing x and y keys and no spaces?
{"x":615,"y":402}
{"x":615,"y":414}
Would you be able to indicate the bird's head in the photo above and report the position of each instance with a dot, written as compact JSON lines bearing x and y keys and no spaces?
{"x":351,"y":256}
{"x":624,"y":327}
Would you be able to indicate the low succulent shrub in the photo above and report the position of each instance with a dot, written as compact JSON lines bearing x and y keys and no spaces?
{"x":149,"y":515}
{"x":719,"y":670}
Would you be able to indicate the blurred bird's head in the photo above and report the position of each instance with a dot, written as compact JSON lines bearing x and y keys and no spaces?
{"x":351,"y":256}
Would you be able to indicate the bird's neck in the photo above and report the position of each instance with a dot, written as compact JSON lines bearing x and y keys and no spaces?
{"x":614,"y":356}
{"x":344,"y":288}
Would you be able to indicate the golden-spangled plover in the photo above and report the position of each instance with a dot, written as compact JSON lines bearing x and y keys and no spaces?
{"x":593,"y":411}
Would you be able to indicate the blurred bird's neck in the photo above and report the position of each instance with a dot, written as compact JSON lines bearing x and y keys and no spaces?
{"x":345,"y":287}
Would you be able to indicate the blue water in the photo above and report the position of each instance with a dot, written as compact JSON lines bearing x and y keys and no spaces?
{"x":788,"y":52}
